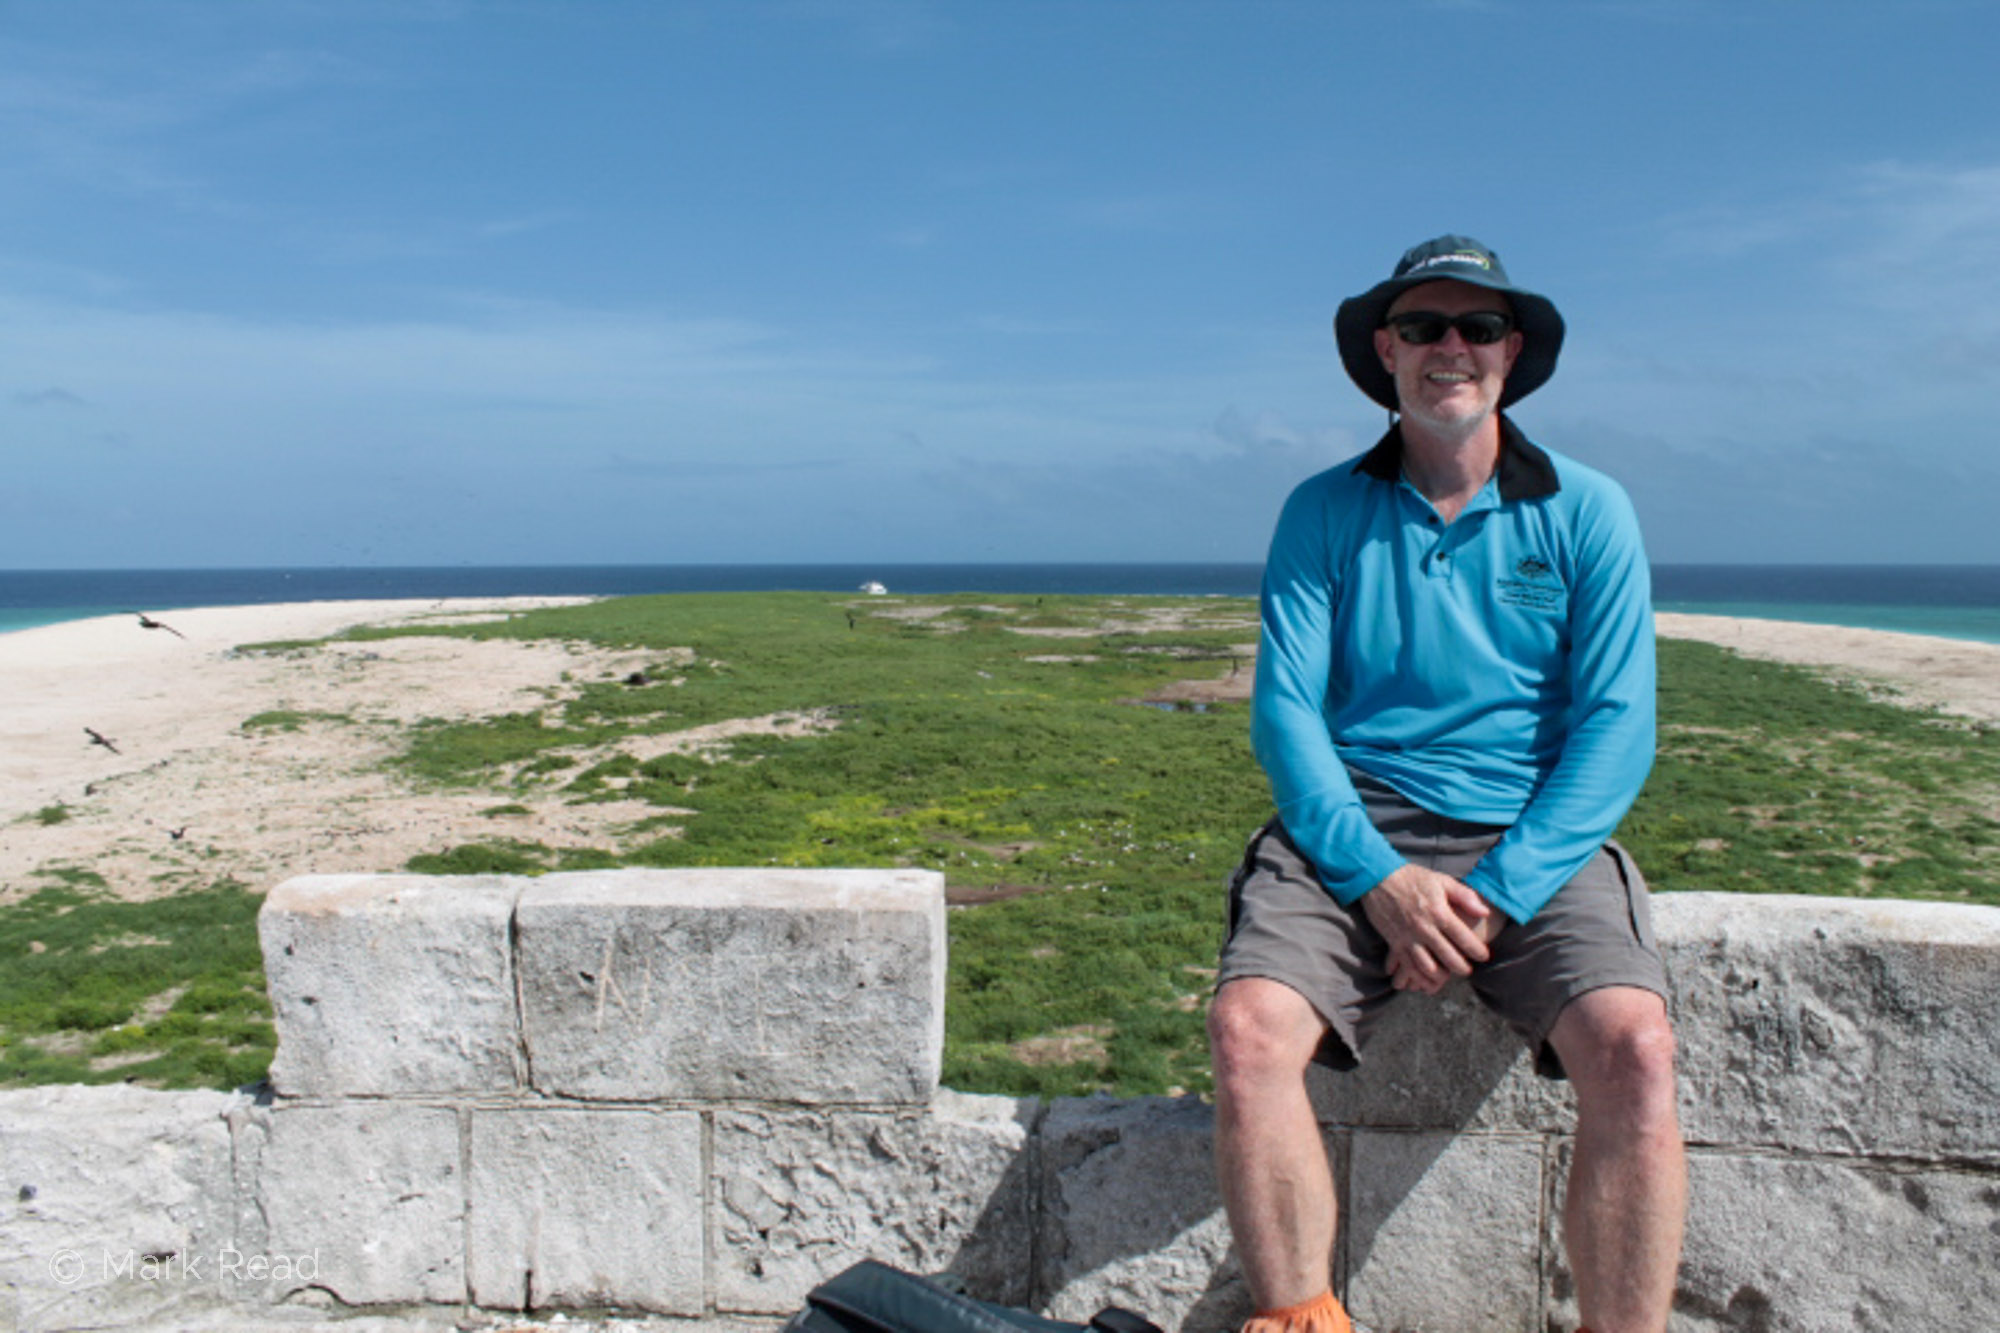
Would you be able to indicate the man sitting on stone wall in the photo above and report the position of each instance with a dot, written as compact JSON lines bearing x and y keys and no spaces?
{"x":1454,"y":705}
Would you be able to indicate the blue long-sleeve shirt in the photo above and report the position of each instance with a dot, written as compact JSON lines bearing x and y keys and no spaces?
{"x":1497,"y":669}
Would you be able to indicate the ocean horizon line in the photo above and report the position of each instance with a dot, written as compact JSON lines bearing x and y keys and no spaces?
{"x":1949,"y":600}
{"x":907,"y":564}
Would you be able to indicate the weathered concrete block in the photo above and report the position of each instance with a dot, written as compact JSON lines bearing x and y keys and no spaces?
{"x":1823,"y":1245}
{"x":800,"y":1195}
{"x":779,"y":985}
{"x":1827,"y":1024}
{"x":362,"y":1199}
{"x":391,"y":984}
{"x":1132,"y":1215}
{"x":1837,"y":1025}
{"x":117,"y":1205}
{"x":1444,"y":1231}
{"x":1442,"y":1062}
{"x":586,"y":1207}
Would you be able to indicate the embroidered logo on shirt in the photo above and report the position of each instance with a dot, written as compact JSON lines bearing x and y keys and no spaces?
{"x":1534,"y":587}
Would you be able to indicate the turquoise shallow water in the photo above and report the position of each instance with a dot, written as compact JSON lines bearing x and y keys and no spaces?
{"x":1979,"y":623}
{"x":29,"y":617}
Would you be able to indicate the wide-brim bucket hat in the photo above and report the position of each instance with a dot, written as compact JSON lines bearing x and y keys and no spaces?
{"x":1458,"y":259}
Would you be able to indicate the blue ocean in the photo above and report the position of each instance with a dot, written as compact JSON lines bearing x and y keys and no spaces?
{"x":1954,"y":601}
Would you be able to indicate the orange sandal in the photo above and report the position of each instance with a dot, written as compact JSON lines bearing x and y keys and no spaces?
{"x":1319,"y":1315}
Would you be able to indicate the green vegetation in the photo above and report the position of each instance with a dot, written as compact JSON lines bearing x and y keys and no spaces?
{"x":169,"y":992}
{"x":1100,"y":827}
{"x":51,"y":814}
{"x":289,"y":719}
{"x":1770,"y":780}
{"x":1084,"y":837}
{"x":278,"y":647}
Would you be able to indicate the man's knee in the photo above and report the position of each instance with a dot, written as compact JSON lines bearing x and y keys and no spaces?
{"x":1618,"y":1047}
{"x":1258,"y":1028}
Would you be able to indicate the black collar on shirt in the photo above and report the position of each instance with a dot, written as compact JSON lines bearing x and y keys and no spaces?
{"x":1526,"y":473}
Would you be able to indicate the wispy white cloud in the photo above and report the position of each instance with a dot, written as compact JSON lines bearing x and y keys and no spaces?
{"x":1930,"y":234}
{"x":1268,"y":432}
{"x":1211,"y":497}
{"x":1888,"y":230}
{"x":22,"y":273}
{"x":78,"y":132}
{"x":522,"y":408}
{"x":122,"y":123}
{"x":1864,"y":300}
{"x":210,"y":367}
{"x":1818,"y":497}
{"x":1719,"y":231}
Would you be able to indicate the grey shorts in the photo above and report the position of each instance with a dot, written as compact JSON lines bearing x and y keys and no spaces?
{"x":1283,"y":925}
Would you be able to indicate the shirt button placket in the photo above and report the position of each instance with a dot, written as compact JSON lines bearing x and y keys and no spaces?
{"x":1438,"y":564}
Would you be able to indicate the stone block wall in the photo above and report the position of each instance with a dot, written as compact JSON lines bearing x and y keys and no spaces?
{"x":692,"y":1094}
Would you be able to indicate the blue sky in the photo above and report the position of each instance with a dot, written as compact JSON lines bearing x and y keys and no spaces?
{"x":333,"y":282}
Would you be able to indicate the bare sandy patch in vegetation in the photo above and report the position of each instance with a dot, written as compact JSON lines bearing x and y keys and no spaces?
{"x":255,"y":766}
{"x":714,"y":739}
{"x":1118,"y":617}
{"x":1083,"y":1044}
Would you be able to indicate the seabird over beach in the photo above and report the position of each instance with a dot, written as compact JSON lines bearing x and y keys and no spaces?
{"x":98,"y":739}
{"x":147,"y":622}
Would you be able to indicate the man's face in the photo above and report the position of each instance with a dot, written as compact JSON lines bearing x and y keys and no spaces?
{"x":1450,"y":385}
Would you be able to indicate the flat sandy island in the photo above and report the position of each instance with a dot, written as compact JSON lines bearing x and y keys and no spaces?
{"x":259,"y":765}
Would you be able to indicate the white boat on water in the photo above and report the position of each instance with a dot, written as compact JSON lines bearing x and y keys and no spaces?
{"x":874,"y":589}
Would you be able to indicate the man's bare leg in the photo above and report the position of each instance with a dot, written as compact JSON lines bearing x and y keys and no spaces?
{"x":1627,"y":1196}
{"x":1276,"y":1183}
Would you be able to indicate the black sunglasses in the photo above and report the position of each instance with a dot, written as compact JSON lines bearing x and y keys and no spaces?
{"x":1427,"y":326}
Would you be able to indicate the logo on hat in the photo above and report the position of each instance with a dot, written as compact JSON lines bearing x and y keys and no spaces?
{"x":1472,"y":257}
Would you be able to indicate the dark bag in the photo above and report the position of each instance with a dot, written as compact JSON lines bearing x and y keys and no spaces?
{"x":875,"y":1298}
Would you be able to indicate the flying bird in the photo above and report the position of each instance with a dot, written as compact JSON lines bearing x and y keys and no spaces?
{"x":97,"y":738}
{"x":178,"y":833}
{"x":147,"y":622}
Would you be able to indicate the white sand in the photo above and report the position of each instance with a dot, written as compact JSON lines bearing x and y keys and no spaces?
{"x":261,"y":804}
{"x":1953,"y":675}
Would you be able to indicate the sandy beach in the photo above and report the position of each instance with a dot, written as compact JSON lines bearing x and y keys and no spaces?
{"x":192,"y":795}
{"x":1952,"y":675}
